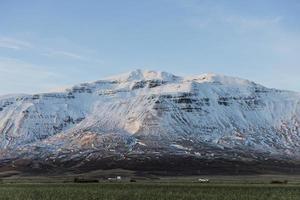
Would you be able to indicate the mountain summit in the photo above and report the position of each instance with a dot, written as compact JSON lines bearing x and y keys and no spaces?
{"x":149,"y":120}
{"x":143,"y":75}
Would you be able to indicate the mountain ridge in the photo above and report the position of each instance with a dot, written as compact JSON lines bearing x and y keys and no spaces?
{"x":143,"y":117}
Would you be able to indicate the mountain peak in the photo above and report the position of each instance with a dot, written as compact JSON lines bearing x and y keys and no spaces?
{"x":130,"y":78}
{"x":143,"y":115}
{"x":139,"y":74}
{"x":227,"y":80}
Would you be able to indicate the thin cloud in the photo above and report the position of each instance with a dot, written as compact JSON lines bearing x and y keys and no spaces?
{"x":251,"y":22}
{"x":12,"y":43}
{"x":205,"y":14}
{"x":65,"y":54}
{"x":70,"y":55}
{"x":25,"y":77}
{"x":235,"y":21}
{"x":19,"y":67}
{"x":16,"y":44}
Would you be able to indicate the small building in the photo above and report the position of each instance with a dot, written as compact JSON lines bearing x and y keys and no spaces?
{"x":117,"y":178}
{"x":203,"y":180}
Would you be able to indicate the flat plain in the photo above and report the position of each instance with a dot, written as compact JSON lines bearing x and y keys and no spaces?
{"x":148,"y":191}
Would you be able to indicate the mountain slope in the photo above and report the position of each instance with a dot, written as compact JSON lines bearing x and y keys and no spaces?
{"x":142,"y":117}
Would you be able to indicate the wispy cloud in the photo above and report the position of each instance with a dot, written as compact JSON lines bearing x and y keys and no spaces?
{"x":70,"y":55}
{"x":266,"y":36}
{"x":66,"y":54}
{"x":18,"y":67}
{"x":251,"y":22}
{"x":25,"y":77}
{"x":205,"y":14}
{"x":267,"y":29}
{"x":235,"y":22}
{"x":16,"y":44}
{"x":12,"y":43}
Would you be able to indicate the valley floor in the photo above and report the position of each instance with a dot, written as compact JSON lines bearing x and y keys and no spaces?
{"x":149,"y":191}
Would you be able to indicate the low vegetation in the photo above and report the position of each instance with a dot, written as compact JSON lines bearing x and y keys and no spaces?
{"x":149,"y":191}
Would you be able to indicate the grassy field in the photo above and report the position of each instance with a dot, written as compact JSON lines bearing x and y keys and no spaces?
{"x":153,"y":191}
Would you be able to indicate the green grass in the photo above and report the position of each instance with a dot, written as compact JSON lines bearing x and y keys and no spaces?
{"x":151,"y":191}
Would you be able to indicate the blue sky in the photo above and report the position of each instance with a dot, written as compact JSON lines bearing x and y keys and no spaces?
{"x":51,"y":43}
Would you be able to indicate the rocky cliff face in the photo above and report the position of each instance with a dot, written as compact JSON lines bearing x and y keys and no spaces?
{"x":145,"y":117}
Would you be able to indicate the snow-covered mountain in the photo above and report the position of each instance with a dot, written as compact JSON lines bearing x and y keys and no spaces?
{"x":149,"y":118}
